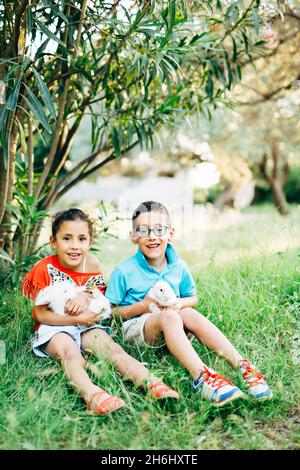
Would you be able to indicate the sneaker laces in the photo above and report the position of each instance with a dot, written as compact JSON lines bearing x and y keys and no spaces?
{"x":251,"y":374}
{"x":215,"y":380}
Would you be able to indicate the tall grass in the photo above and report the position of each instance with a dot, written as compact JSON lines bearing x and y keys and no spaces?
{"x":256,"y":303}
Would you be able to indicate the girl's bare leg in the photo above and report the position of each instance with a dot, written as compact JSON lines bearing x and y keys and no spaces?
{"x":100,"y":343}
{"x":63,"y":347}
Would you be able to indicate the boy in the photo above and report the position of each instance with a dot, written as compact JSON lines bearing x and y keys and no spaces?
{"x":155,"y":260}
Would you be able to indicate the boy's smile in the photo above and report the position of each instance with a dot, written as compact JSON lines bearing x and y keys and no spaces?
{"x":152,"y":246}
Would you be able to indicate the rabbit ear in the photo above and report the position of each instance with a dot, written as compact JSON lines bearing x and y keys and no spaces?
{"x":43,"y":297}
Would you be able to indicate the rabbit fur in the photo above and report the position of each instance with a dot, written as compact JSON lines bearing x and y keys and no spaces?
{"x":57,"y":294}
{"x":163,"y":293}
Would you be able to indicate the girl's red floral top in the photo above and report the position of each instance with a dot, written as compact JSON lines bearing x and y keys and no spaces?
{"x":49,"y":271}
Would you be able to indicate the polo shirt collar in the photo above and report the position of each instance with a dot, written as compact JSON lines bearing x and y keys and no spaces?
{"x":171,"y":255}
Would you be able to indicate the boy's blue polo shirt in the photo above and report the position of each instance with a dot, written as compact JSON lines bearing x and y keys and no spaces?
{"x":131,"y":280}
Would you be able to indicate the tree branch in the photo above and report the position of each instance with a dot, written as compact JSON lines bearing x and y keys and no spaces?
{"x":269,"y":96}
{"x":263,"y":168}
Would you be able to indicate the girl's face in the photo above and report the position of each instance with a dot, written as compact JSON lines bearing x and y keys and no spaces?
{"x":72,"y":242}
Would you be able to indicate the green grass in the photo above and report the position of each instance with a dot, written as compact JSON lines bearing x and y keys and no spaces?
{"x":254,"y":299}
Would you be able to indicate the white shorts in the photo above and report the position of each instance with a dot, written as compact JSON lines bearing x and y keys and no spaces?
{"x":46,"y":332}
{"x":133,"y":331}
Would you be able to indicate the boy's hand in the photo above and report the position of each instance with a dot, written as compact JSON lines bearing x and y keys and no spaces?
{"x":78,"y":305}
{"x":147,"y":302}
{"x":88,"y":318}
{"x":177,"y":307}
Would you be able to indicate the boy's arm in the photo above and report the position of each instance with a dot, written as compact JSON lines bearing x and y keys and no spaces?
{"x":47,"y":317}
{"x":130,"y":311}
{"x":188,"y":302}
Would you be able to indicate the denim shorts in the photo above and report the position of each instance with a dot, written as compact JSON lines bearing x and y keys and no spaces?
{"x":46,"y":332}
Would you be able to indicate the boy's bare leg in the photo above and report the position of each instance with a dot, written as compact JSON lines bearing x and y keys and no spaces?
{"x":210,"y":335}
{"x":63,"y":347}
{"x":101,"y":344}
{"x":171,"y":324}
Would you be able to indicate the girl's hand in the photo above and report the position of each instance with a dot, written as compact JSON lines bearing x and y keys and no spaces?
{"x":87,"y":318}
{"x":78,"y":305}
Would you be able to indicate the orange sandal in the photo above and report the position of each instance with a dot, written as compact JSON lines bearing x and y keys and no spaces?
{"x":160,"y":390}
{"x":104,"y":403}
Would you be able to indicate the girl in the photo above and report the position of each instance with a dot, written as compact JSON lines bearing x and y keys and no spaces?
{"x":66,"y":337}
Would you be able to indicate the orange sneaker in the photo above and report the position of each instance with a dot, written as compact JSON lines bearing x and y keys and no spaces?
{"x":102,"y":403}
{"x":160,"y":390}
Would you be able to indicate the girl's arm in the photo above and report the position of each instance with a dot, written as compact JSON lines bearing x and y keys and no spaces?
{"x":47,"y":317}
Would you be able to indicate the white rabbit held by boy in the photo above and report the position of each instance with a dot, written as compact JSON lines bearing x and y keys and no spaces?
{"x":57,"y":294}
{"x":163,"y":293}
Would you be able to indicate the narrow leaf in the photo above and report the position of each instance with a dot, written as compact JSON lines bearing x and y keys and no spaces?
{"x":49,"y":33}
{"x":37,"y":109}
{"x":13,"y":97}
{"x":46,"y":97}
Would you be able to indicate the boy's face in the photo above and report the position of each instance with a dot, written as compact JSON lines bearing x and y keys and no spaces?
{"x":152,"y":246}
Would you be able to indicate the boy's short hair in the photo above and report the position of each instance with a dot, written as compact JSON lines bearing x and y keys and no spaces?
{"x":150,"y":206}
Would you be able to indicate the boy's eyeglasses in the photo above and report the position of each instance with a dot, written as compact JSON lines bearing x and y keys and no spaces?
{"x":159,"y":231}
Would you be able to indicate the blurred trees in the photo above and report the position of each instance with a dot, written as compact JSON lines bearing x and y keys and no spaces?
{"x":270,"y":95}
{"x":261,"y":130}
{"x":131,"y":67}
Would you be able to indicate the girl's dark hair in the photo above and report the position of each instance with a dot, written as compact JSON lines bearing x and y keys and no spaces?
{"x":70,"y":214}
{"x":149,"y":206}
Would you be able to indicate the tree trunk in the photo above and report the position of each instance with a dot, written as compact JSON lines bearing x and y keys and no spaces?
{"x":276,"y":179}
{"x":225,"y":198}
{"x":279,"y":196}
{"x":7,"y":219}
{"x":4,"y":176}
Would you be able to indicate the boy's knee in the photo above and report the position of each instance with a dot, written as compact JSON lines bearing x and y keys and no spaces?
{"x":188,"y":312}
{"x":170,"y":317}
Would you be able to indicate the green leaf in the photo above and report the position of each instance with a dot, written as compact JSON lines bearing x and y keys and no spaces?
{"x":255,"y":20}
{"x":46,"y":97}
{"x":246,"y":41}
{"x":37,"y":109}
{"x":209,"y":87}
{"x":3,"y":117}
{"x":6,"y":257}
{"x":234,"y":53}
{"x":115,"y":141}
{"x":171,"y":14}
{"x":29,"y":20}
{"x":13,"y":97}
{"x":41,"y":49}
{"x":55,"y":9}
{"x":232,"y":8}
{"x":49,"y":33}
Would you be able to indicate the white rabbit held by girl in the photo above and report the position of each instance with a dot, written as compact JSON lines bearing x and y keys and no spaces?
{"x":57,"y":294}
